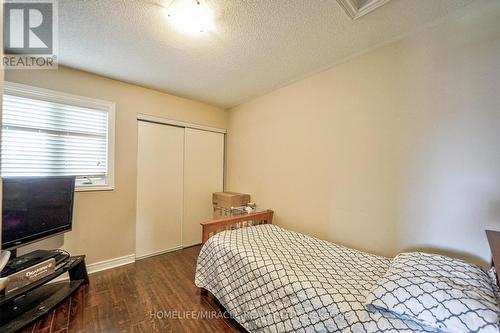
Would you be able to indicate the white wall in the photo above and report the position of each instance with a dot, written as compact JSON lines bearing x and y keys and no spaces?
{"x":395,"y":149}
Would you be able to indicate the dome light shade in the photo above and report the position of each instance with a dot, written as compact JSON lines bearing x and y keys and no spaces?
{"x":190,"y":17}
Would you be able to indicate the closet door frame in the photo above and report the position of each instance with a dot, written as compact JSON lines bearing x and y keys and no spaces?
{"x":159,"y":209}
{"x":165,"y":121}
{"x":170,"y":122}
{"x":203,"y":175}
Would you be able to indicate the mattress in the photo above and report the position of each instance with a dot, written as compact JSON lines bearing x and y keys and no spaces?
{"x":275,"y":280}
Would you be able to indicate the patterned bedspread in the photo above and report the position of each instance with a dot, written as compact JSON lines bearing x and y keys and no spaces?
{"x":275,"y":280}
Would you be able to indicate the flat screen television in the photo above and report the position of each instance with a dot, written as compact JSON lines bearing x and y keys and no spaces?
{"x":34,"y":208}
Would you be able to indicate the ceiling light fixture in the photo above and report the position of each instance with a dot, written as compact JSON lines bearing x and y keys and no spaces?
{"x":190,"y":16}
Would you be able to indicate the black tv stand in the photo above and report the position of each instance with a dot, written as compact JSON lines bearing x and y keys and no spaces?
{"x":25,"y":305}
{"x":17,"y":264}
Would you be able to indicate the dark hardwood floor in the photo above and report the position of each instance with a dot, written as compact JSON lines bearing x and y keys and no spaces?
{"x":139,"y":298}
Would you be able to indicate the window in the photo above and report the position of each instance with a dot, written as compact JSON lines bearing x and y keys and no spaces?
{"x":48,"y":133}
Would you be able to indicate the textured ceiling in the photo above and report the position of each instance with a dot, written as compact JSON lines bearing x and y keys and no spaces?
{"x":258,"y":45}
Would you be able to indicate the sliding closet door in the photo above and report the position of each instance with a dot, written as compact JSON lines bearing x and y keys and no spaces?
{"x":203,"y":175}
{"x":159,"y":188}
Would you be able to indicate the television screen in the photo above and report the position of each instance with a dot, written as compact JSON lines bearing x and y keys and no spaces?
{"x":35,"y":207}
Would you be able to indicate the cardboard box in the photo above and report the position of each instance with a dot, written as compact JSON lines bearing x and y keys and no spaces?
{"x":230,"y":199}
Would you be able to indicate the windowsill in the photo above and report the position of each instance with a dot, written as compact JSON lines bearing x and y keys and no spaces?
{"x":95,"y":188}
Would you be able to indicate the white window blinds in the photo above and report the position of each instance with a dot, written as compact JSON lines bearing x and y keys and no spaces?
{"x":45,"y":138}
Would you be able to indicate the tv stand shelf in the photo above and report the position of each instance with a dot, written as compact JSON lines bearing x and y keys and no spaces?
{"x":25,"y":305}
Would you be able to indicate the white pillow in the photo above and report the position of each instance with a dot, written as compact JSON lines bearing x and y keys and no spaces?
{"x":436,"y":291}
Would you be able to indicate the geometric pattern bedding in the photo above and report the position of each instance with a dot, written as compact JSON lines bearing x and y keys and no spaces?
{"x":444,"y":293}
{"x":275,"y":280}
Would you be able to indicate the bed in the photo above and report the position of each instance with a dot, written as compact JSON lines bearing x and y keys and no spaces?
{"x":275,"y":280}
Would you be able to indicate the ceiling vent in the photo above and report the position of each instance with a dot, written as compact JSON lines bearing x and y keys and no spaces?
{"x":357,"y":8}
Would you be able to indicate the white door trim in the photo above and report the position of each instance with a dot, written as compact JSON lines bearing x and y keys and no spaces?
{"x":171,"y":122}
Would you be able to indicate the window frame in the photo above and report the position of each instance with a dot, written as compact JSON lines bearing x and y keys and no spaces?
{"x":27,"y":91}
